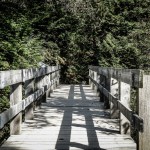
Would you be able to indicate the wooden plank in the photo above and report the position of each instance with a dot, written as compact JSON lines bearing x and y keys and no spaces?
{"x":29,"y":89}
{"x":144,"y":113}
{"x":15,"y":99}
{"x":114,"y":100}
{"x":38,"y":72}
{"x":15,"y":76}
{"x":10,"y":77}
{"x":129,"y":76}
{"x":75,"y":127}
{"x":113,"y":97}
{"x":10,"y":113}
{"x":124,"y":107}
{"x":127,"y":112}
{"x":137,"y":78}
{"x":105,"y":92}
{"x":53,"y":138}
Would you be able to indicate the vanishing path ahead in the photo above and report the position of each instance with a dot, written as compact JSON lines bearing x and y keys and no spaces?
{"x":73,"y":118}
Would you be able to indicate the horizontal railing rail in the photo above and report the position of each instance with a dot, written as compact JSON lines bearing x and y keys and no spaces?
{"x":129,"y":76}
{"x":38,"y":83}
{"x":135,"y":120}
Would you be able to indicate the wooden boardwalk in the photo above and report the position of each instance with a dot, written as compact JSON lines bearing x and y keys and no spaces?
{"x":73,"y":118}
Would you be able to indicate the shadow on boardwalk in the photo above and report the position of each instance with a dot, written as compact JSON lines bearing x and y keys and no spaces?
{"x":64,"y":142}
{"x":73,"y":118}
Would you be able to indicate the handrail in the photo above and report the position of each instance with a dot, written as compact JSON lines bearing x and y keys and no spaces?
{"x":37,"y":83}
{"x":114,"y":86}
{"x":129,"y":76}
{"x":135,"y":120}
{"x":16,"y":76}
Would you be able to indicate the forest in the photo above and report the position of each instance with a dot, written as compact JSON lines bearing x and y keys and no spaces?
{"x":73,"y":34}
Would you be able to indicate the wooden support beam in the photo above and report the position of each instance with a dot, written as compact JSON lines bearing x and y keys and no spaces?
{"x":114,"y":90}
{"x":124,"y":97}
{"x":49,"y":85}
{"x":38,"y":86}
{"x":14,"y":110}
{"x":129,"y":76}
{"x":15,"y":78}
{"x":57,"y":76}
{"x":92,"y":76}
{"x":95,"y":78}
{"x":102,"y":83}
{"x":10,"y":77}
{"x":55,"y":82}
{"x":16,"y":97}
{"x":52,"y":83}
{"x":144,"y":113}
{"x":29,"y":89}
{"x":90,"y":82}
{"x":38,"y":72}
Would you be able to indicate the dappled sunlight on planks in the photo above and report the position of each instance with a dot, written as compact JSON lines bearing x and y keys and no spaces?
{"x":73,"y":118}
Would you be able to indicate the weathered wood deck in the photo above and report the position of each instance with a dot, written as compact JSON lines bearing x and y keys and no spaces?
{"x":73,"y":118}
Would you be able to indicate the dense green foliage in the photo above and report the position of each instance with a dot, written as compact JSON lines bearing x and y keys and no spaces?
{"x":74,"y":34}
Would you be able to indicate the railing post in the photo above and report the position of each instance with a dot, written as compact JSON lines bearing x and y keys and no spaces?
{"x":46,"y":82}
{"x":57,"y":76}
{"x":114,"y":85}
{"x":52,"y":80}
{"x":95,"y":78}
{"x":144,"y":113}
{"x":29,"y":89}
{"x":92,"y":75}
{"x":102,"y":82}
{"x":90,"y":82}
{"x":47,"y":94}
{"x":16,"y":97}
{"x":124,"y":96}
{"x":38,"y":85}
{"x":105,"y":82}
{"x":98,"y":81}
{"x":55,"y":81}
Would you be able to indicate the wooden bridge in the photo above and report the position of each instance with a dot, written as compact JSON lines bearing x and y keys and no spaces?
{"x":45,"y":115}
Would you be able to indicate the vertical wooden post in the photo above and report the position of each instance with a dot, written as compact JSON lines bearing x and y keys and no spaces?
{"x":144,"y":113}
{"x":95,"y":78}
{"x":48,"y":82}
{"x":44,"y":84}
{"x":52,"y":79}
{"x":98,"y":81}
{"x":38,"y":85}
{"x":51,"y":87}
{"x":102,"y":82}
{"x":29,"y":89}
{"x":16,"y":97}
{"x":114,"y":85}
{"x":106,"y":84}
{"x":89,"y":78}
{"x":57,"y":78}
{"x":92,"y":75}
{"x":124,"y":97}
{"x":55,"y":81}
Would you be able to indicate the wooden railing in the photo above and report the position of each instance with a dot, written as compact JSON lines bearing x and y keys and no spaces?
{"x":114,"y":87}
{"x":34,"y":84}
